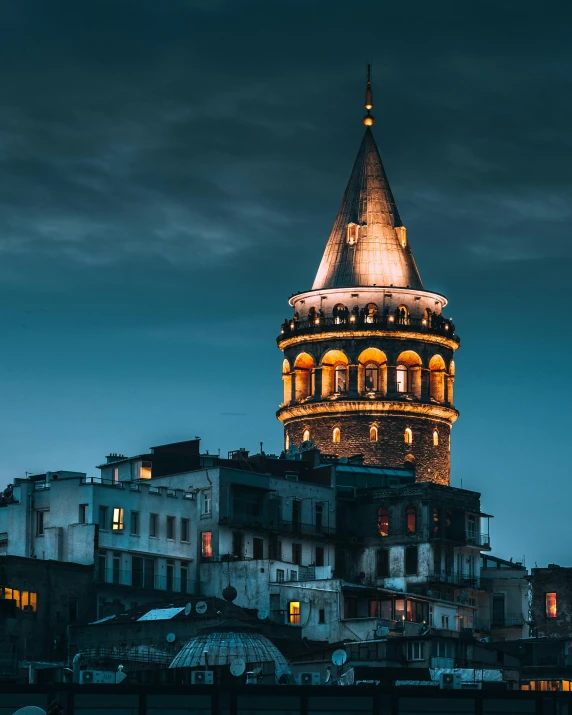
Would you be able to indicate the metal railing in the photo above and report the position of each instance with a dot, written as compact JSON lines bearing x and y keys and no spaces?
{"x":478,"y":539}
{"x":149,"y":581}
{"x":455,"y":578}
{"x":438,"y":325}
{"x":278,"y":526}
{"x":506,"y":620}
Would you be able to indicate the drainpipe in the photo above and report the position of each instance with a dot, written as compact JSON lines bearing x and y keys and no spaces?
{"x":76,"y":665}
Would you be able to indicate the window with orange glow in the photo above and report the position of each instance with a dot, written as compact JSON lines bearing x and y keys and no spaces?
{"x":207,"y":544}
{"x":411,"y":518}
{"x":551,"y":605}
{"x":373,"y":434}
{"x":435,"y":438}
{"x":117,"y":523}
{"x":383,"y":522}
{"x":408,"y":436}
{"x":294,"y":612}
{"x":306,"y":436}
{"x":336,"y":434}
{"x":24,"y":600}
{"x":145,"y":471}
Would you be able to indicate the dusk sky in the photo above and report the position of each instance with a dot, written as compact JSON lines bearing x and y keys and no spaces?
{"x":170,"y":173}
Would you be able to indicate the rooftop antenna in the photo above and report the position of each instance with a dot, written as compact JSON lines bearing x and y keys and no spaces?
{"x":368,"y":120}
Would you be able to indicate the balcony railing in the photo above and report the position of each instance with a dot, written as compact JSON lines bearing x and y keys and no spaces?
{"x":437,"y":326}
{"x":149,"y":581}
{"x":455,"y":578}
{"x":478,"y":539}
{"x":507,"y":620}
{"x":278,"y":526}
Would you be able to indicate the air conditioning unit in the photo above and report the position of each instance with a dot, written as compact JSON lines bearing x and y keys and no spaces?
{"x":310,"y":679}
{"x":202,"y":677}
{"x":86,"y":676}
{"x":450,"y":681}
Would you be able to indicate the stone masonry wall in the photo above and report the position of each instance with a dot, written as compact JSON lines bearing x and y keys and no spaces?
{"x":432,"y":463}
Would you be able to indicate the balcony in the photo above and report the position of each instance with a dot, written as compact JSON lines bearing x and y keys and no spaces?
{"x":278,"y":526}
{"x":507,"y":620}
{"x":455,"y":578}
{"x":483,"y":540}
{"x":146,"y":581}
{"x":439,"y":326}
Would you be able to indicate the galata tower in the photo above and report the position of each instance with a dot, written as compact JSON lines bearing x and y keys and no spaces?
{"x":368,"y":363}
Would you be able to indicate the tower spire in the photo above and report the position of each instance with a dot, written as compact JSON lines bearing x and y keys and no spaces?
{"x":368,"y":120}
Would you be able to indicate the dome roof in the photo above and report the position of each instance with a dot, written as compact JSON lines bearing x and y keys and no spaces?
{"x":223,"y":648}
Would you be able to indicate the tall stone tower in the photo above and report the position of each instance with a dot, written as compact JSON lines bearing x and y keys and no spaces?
{"x":368,"y":354}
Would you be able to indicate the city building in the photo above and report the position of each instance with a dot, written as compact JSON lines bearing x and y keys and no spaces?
{"x":551,"y":602}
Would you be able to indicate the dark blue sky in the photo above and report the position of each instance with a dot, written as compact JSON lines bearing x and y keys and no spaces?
{"x":169,"y":175}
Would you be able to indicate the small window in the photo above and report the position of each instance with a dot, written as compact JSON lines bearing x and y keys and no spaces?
{"x":117,"y":523}
{"x":352,"y":233}
{"x":408,"y":436}
{"x":319,"y":556}
{"x":286,"y":442}
{"x":185,"y":530}
{"x":402,"y":315}
{"x":306,"y":436}
{"x":134,"y":523}
{"x":411,"y":519}
{"x":40,"y":523}
{"x":401,"y":375}
{"x":373,"y":434}
{"x":415,"y":650}
{"x":322,"y":615}
{"x":371,"y":377}
{"x":336,"y":435}
{"x":116,"y":475}
{"x":371,"y":312}
{"x":297,"y":554}
{"x":383,"y":522}
{"x":154,"y":525}
{"x":238,"y":544}
{"x":83,"y":513}
{"x":411,"y":561}
{"x":171,"y":527}
{"x":207,"y":544}
{"x":145,"y":470}
{"x":340,"y":373}
{"x":551,"y":605}
{"x":382,"y":563}
{"x":293,"y":575}
{"x":294,"y":612}
{"x":257,"y":548}
{"x":207,"y":502}
{"x":435,"y":438}
{"x":445,"y":622}
{"x":280,"y":575}
{"x":103,"y":518}
{"x":319,"y":515}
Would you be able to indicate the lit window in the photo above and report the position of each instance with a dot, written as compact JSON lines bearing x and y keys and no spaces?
{"x":408,"y":436}
{"x":371,"y":377}
{"x":435,"y":438}
{"x":352,"y":233}
{"x":402,"y":315}
{"x":401,"y":373}
{"x":306,"y":436}
{"x":371,"y":313}
{"x":116,"y":475}
{"x":117,"y":523}
{"x":207,"y":502}
{"x":29,"y":601}
{"x":294,"y":612}
{"x":336,"y":434}
{"x":286,"y":442}
{"x":207,"y":544}
{"x":411,"y":519}
{"x":551,"y":605}
{"x":145,"y":470}
{"x":340,"y":379}
{"x":373,"y":434}
{"x":383,"y":522}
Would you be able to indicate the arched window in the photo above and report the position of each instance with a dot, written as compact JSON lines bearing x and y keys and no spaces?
{"x":402,"y":381}
{"x":435,"y":438}
{"x":371,"y":377}
{"x":287,"y":442}
{"x":408,"y":436}
{"x":427,"y":314}
{"x":340,"y":313}
{"x":373,"y":433}
{"x":306,"y":436}
{"x":383,"y":522}
{"x":402,"y":315}
{"x":340,"y":379}
{"x":371,"y":313}
{"x":411,"y":519}
{"x":336,"y":434}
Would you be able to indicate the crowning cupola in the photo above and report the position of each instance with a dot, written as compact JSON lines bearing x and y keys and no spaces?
{"x":368,"y":355}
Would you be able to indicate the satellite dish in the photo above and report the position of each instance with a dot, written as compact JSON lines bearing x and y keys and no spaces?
{"x":30,"y":710}
{"x":171,"y":637}
{"x":237,"y":667}
{"x":188,"y":609}
{"x":262,"y":614}
{"x":201,"y":607}
{"x":381,"y":631}
{"x":339,"y":657}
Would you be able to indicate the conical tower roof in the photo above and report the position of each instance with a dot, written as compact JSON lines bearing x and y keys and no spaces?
{"x":368,"y":244}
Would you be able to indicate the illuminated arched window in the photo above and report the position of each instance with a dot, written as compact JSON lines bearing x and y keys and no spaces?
{"x":408,"y":436}
{"x":340,"y":313}
{"x":371,"y":377}
{"x":373,"y":433}
{"x":411,"y":519}
{"x":287,"y":443}
{"x":306,"y":436}
{"x":383,"y":522}
{"x":402,"y":381}
{"x":340,"y":373}
{"x":435,"y":438}
{"x":371,"y":313}
{"x":402,"y":315}
{"x":336,"y":434}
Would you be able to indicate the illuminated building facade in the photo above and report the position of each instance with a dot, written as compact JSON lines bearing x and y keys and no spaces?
{"x":368,"y":354}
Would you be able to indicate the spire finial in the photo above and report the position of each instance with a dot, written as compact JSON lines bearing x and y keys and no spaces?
{"x":368,"y":120}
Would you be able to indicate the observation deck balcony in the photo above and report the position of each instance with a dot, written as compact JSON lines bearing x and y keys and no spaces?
{"x":438,"y":325}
